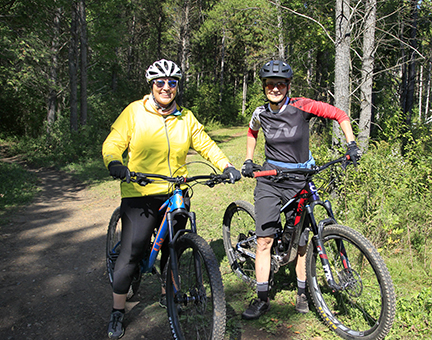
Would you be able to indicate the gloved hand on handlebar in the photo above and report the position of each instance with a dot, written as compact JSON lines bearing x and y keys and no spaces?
{"x":118,"y":170}
{"x":249,"y":167}
{"x":233,"y":173}
{"x":353,"y":152}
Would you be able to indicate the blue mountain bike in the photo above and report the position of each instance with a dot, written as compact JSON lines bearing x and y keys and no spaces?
{"x":194,"y":290}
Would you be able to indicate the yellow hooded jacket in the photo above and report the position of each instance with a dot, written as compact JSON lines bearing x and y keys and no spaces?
{"x":157,"y":144}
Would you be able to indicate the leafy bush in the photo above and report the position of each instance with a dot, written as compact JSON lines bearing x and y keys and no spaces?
{"x":390,"y":198}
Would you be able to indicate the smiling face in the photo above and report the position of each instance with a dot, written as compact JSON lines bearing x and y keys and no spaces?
{"x":164,"y":93}
{"x":276,"y":89}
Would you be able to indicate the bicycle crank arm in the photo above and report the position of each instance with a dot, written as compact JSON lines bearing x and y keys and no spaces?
{"x":246,"y":252}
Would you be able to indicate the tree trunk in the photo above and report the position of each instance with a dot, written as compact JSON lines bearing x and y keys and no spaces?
{"x":420,"y":94}
{"x":184,"y":45}
{"x":52,"y":98}
{"x":281,"y":46}
{"x":428,"y":90}
{"x":73,"y":76}
{"x":342,"y":63}
{"x":407,"y":100}
{"x":366,"y":87}
{"x":84,"y":47}
{"x":245,"y":88}
{"x":222,"y":68}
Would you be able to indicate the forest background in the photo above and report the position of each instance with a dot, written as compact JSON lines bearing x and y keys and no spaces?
{"x":68,"y":68}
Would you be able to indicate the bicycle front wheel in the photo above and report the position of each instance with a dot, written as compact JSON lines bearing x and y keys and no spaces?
{"x":197,"y":308}
{"x":240,"y":240}
{"x":113,"y":248}
{"x":364,"y":306}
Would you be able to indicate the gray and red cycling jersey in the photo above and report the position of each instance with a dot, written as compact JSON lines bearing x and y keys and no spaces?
{"x":287,"y":130}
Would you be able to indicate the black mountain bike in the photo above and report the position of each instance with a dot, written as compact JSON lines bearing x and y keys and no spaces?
{"x":194,"y":290}
{"x":348,"y":280}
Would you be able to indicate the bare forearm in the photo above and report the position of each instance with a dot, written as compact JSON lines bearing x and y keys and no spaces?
{"x":347,"y":130}
{"x":250,"y":147}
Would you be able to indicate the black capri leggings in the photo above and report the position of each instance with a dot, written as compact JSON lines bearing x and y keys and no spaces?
{"x":140,"y":216}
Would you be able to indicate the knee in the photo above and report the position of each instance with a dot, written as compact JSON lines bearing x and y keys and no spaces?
{"x":264,"y":244}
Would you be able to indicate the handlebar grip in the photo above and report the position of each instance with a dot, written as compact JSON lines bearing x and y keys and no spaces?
{"x":265,"y":173}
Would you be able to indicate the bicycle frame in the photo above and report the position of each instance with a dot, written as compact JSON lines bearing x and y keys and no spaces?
{"x":173,"y":206}
{"x":305,"y":202}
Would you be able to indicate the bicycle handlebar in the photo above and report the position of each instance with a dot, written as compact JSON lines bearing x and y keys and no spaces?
{"x":303,"y":171}
{"x":212,"y":179}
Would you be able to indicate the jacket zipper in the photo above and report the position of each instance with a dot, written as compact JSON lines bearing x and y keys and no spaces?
{"x":169,"y":147}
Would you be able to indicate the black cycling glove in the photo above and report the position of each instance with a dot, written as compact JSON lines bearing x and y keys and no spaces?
{"x":233,"y":173}
{"x":353,"y":152}
{"x":118,"y":170}
{"x":249,"y":167}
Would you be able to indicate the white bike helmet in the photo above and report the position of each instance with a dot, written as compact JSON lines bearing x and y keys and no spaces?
{"x":163,"y":69}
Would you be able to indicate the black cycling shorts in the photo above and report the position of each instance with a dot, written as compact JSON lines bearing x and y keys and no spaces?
{"x":268,"y":200}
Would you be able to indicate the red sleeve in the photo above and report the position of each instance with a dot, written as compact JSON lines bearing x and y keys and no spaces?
{"x":252,"y":133}
{"x":319,"y":109}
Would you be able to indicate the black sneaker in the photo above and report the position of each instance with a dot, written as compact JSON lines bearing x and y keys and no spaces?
{"x":115,"y":326}
{"x":302,"y":305}
{"x":162,"y":301}
{"x":256,"y":308}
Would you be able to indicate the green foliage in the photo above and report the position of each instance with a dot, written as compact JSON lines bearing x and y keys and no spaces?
{"x":389,"y":199}
{"x":17,"y":186}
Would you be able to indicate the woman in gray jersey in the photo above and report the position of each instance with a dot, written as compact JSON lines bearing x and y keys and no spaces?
{"x":285,"y":123}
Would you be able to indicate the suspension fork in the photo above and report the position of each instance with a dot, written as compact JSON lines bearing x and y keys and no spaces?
{"x":197,"y":259}
{"x":173,"y":255}
{"x":318,"y":240}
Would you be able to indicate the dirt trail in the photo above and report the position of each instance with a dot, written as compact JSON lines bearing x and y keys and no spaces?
{"x":53,"y":283}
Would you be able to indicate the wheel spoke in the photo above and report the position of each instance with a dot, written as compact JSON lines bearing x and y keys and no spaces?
{"x":197,"y":310}
{"x":240,"y":240}
{"x":364,"y":305}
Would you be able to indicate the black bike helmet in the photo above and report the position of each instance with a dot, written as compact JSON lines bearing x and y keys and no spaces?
{"x":276,"y":68}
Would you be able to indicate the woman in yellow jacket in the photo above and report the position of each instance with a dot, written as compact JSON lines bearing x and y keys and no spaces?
{"x":157,"y":134}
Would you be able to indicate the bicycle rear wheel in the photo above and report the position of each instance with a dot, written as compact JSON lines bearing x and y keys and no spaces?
{"x":365,"y":306}
{"x":197,"y":308}
{"x":113,"y":248}
{"x":239,"y":236}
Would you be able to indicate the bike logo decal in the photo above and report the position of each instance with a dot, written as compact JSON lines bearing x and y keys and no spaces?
{"x":327,"y":272}
{"x":158,"y":244}
{"x":174,"y":282}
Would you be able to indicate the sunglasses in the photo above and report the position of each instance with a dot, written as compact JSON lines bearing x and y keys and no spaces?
{"x":161,"y":83}
{"x":279,"y":85}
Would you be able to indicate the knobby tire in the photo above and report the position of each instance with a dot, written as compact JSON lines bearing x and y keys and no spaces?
{"x":365,"y":307}
{"x":197,"y":310}
{"x":239,"y":225}
{"x":113,"y":247}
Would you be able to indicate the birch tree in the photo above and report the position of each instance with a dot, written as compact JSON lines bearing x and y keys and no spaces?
{"x":342,"y":63}
{"x":367,"y":74}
